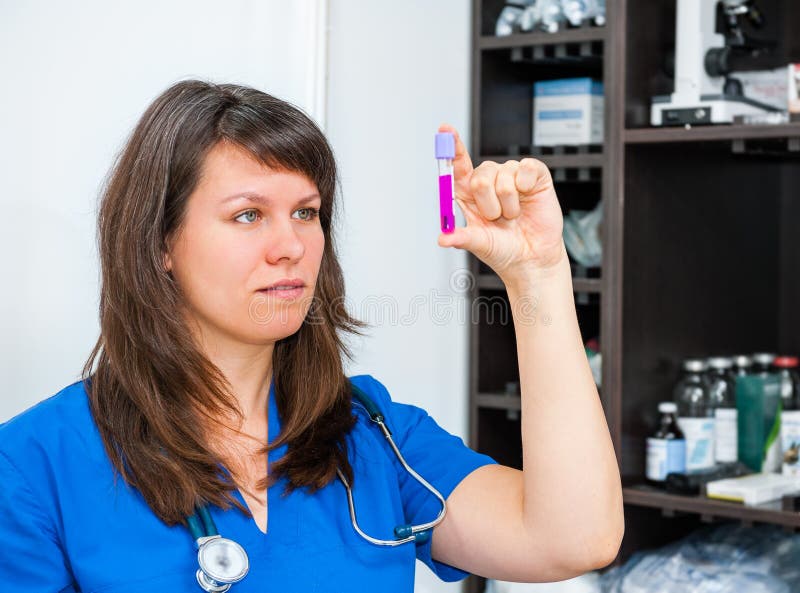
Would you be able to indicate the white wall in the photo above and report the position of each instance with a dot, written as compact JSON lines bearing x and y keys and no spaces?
{"x":76,"y":77}
{"x":396,"y":71}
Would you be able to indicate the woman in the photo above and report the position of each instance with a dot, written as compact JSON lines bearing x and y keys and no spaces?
{"x":217,"y":383}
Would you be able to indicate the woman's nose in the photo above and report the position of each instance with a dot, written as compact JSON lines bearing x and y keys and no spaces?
{"x":283,"y":241}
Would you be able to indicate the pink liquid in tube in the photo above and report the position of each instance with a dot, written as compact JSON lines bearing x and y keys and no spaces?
{"x":448,"y":220}
{"x":445,"y":153}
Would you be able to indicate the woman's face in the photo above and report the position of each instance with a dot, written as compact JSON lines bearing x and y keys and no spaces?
{"x":247,"y":227}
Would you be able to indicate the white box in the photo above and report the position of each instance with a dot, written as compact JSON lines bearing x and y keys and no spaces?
{"x":753,"y":489}
{"x":793,"y":87}
{"x":568,"y":112}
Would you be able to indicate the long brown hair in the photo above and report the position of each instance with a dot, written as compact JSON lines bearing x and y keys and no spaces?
{"x":150,"y":380}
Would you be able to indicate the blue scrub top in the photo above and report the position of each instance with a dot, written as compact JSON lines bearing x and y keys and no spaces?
{"x":67,"y":525}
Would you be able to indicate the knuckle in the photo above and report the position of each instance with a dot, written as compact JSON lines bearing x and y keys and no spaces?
{"x":479,"y":183}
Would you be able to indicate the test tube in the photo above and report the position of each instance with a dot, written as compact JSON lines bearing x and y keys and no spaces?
{"x":445,"y":153}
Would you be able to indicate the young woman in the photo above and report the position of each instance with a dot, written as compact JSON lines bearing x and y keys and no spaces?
{"x":216,"y":390}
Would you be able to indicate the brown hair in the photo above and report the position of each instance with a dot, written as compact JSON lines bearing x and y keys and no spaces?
{"x":151,"y":381}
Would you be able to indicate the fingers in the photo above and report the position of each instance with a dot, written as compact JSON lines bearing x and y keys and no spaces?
{"x":531,"y":173}
{"x":482,"y":187}
{"x":494,"y":189}
{"x":462,"y":163}
{"x":506,"y":188}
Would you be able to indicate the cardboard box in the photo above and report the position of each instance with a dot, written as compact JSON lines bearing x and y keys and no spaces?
{"x":568,"y":112}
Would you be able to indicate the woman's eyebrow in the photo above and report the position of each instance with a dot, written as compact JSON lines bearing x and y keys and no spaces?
{"x":264,"y":200}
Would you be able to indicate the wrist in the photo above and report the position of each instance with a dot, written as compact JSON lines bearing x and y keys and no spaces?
{"x":528,"y":275}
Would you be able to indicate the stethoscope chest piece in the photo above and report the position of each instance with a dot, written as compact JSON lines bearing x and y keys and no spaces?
{"x":222,"y":562}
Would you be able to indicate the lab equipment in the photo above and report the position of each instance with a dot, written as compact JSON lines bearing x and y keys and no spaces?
{"x":694,"y":482}
{"x":507,"y":21}
{"x":582,"y":235}
{"x":758,"y":404}
{"x":568,"y":112}
{"x":728,"y":558}
{"x":551,"y":15}
{"x":578,"y":11}
{"x":744,"y":365}
{"x":224,"y":562}
{"x":695,"y":414}
{"x":762,"y":363}
{"x":722,"y":392}
{"x":445,"y":153}
{"x":666,"y":449}
{"x":753,"y":489}
{"x":710,"y":43}
{"x":790,"y":414}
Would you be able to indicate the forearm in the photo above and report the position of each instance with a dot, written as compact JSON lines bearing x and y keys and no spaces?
{"x":571,"y":480}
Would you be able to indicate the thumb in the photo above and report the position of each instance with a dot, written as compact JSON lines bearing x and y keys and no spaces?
{"x":460,"y":237}
{"x":468,"y":237}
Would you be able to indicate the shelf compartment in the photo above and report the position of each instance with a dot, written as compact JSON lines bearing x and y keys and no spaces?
{"x":709,"y":509}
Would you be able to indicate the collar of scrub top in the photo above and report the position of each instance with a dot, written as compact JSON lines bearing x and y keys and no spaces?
{"x":403,"y":533}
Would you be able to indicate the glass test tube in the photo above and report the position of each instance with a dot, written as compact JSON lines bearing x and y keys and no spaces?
{"x":445,"y":153}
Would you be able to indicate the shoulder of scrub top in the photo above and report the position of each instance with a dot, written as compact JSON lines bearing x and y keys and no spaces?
{"x":56,"y":423}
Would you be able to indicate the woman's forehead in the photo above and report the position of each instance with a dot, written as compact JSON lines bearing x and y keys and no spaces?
{"x":229,"y":170}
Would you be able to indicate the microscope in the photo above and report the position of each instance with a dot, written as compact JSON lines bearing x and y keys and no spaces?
{"x":711,"y":46}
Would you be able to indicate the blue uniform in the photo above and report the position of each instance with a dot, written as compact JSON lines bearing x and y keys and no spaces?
{"x":67,"y":525}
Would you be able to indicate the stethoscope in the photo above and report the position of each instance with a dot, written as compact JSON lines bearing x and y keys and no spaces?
{"x":224,"y":562}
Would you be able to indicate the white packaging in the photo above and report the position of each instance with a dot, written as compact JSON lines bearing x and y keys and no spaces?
{"x":568,"y":112}
{"x":765,"y":86}
{"x":726,"y":435}
{"x":699,"y":434}
{"x":793,"y":87}
{"x":790,"y":442}
{"x":753,"y":489}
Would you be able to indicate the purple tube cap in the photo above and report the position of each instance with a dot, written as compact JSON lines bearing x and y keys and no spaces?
{"x":445,"y":145}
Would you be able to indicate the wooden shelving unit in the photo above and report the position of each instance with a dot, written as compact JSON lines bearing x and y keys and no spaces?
{"x":700,"y":253}
{"x":712,"y":133}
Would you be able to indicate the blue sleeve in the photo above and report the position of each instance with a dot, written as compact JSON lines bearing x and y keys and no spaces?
{"x":435,"y":454}
{"x":31,"y":558}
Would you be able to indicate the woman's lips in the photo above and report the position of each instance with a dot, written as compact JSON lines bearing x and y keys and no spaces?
{"x":283,"y":293}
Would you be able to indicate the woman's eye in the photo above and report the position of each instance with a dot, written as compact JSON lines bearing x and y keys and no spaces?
{"x":251,"y":215}
{"x":311,"y":213}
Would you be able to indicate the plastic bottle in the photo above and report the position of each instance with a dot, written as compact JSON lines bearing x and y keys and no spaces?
{"x":787,"y":369}
{"x":666,"y":449}
{"x":722,"y":392}
{"x":695,"y":415}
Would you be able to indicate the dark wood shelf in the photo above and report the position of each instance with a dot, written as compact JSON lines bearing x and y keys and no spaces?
{"x":579,"y":285}
{"x":711,"y":133}
{"x":498,"y":401}
{"x":592,"y":160}
{"x":579,"y":35}
{"x":709,"y":509}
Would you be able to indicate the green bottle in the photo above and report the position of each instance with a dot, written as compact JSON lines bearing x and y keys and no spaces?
{"x":758,"y":401}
